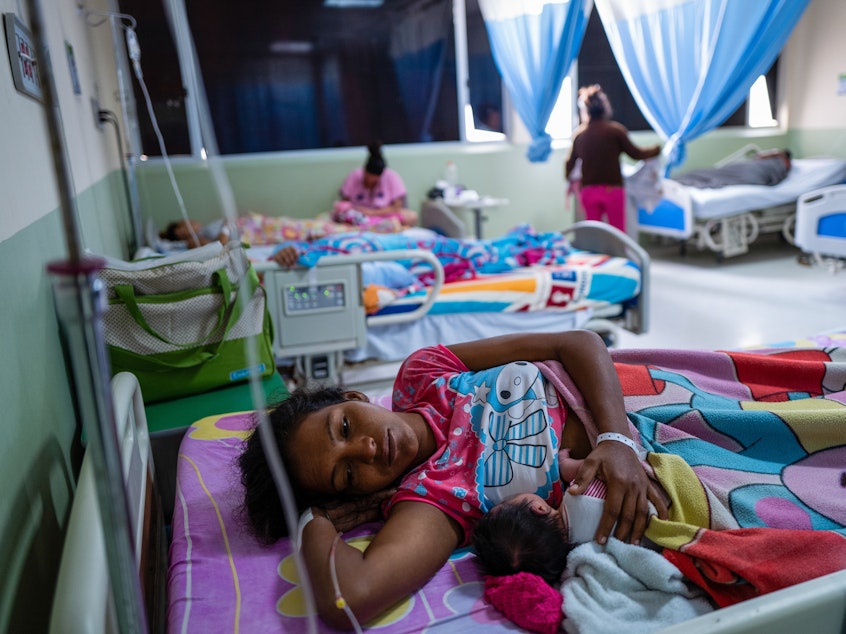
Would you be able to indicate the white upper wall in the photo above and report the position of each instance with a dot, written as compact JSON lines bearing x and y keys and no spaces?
{"x":26,"y":162}
{"x":815,"y":60}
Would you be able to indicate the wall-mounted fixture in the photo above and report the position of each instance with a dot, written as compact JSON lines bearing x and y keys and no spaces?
{"x":22,"y":57}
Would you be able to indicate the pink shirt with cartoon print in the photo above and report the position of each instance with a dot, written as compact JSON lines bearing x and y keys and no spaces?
{"x":498,"y":433}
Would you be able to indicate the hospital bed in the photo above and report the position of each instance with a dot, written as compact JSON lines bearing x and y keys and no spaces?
{"x":321,"y":324}
{"x":219,"y":579}
{"x":729,"y":219}
{"x":821,"y":226}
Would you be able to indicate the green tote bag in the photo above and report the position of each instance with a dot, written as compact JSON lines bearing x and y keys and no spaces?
{"x":182,"y":324}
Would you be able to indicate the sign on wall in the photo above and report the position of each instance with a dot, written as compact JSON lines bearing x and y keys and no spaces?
{"x":22,"y":57}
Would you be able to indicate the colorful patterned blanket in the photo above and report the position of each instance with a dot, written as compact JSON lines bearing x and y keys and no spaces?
{"x":763,"y":432}
{"x":520,"y":247}
{"x":521,"y":271}
{"x":751,"y":447}
{"x":584,"y":279}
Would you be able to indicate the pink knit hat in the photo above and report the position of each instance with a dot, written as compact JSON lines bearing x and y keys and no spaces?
{"x":527,"y":600}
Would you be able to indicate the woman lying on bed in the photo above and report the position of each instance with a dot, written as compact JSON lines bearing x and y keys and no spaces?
{"x":336,"y":445}
{"x":474,"y":424}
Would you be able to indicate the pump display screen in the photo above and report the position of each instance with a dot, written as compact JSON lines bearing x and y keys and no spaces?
{"x":307,"y":298}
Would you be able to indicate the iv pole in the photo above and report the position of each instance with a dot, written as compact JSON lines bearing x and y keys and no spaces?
{"x":79,"y":298}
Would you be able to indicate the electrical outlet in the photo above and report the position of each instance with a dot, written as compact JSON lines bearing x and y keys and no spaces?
{"x":95,"y":105}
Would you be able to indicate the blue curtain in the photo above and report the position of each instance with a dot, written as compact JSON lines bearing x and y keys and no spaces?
{"x":418,"y":50}
{"x":691,"y":63}
{"x":534,"y":43}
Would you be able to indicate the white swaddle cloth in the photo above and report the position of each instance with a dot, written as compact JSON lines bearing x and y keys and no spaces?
{"x":619,"y":587}
{"x":582,"y":512}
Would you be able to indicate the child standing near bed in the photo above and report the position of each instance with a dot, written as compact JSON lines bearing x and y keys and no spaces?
{"x":598,"y":143}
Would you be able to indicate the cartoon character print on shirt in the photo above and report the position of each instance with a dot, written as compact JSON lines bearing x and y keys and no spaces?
{"x":509,"y":411}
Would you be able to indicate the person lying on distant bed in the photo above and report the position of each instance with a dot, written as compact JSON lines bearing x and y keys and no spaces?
{"x":475,"y":423}
{"x":373,"y":196}
{"x":253,"y":228}
{"x":195,"y":234}
{"x":769,"y":167}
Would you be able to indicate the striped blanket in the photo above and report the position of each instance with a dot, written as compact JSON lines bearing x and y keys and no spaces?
{"x":583,"y":278}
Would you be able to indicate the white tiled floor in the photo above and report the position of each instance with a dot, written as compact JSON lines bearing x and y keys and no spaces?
{"x":761,"y":297}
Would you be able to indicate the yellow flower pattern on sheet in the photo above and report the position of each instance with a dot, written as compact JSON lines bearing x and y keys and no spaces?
{"x":292,"y":603}
{"x":208,"y":429}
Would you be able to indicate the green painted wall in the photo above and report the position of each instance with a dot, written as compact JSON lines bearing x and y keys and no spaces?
{"x":41,"y":454}
{"x":304,"y":184}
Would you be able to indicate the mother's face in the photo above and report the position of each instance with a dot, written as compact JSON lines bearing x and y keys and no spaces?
{"x":353,"y":448}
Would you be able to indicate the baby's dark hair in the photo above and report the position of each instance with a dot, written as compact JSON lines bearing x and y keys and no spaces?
{"x":511,"y":539}
{"x":261,"y":509}
{"x":375,"y":161}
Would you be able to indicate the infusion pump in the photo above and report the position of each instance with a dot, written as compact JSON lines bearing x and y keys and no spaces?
{"x":318,"y":312}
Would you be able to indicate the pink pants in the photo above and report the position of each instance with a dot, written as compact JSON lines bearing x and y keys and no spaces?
{"x":605,"y":200}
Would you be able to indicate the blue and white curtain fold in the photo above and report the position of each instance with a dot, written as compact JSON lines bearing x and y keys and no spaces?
{"x":534,"y":43}
{"x":691,"y":63}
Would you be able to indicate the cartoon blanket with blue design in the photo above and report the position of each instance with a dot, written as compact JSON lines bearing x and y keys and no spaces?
{"x":522,"y":246}
{"x":524,"y":270}
{"x":751,"y":448}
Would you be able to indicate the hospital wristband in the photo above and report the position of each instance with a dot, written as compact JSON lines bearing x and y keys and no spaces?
{"x":305,"y":518}
{"x":618,"y":438}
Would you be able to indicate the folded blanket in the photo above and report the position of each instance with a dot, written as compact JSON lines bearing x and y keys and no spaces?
{"x":619,"y":587}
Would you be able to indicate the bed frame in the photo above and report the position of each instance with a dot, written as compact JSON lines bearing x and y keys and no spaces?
{"x":84,"y":599}
{"x":821,"y":226}
{"x":727,"y":235}
{"x":315,"y":339}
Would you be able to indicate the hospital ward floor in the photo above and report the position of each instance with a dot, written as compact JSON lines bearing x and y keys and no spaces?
{"x":764,"y":296}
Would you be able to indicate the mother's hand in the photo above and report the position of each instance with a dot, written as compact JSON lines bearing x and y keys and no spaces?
{"x":348,"y":513}
{"x":628,"y":490}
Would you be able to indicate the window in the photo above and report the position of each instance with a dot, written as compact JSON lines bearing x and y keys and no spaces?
{"x":320,"y":74}
{"x":332,"y":73}
{"x":483,"y":120}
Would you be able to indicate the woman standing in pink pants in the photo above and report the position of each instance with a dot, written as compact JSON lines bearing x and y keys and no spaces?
{"x":598,"y":142}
